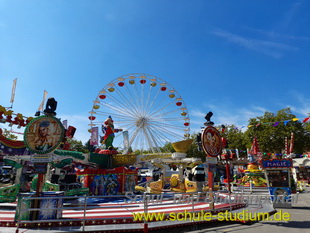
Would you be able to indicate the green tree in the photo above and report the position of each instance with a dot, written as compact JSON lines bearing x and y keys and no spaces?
{"x":272,"y":129}
{"x":167,"y":148}
{"x":90,"y":148}
{"x":235,"y":139}
{"x":76,"y":145}
{"x":194,"y":151}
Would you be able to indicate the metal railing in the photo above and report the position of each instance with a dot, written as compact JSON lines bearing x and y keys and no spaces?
{"x":85,"y":206}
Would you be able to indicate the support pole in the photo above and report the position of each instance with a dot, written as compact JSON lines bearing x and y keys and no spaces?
{"x":228,"y":174}
{"x":36,"y":203}
{"x":211,"y":186}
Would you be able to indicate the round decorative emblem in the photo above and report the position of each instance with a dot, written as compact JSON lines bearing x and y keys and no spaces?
{"x":44,"y":134}
{"x":211,"y":141}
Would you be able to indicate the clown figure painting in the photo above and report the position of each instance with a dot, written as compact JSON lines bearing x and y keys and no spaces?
{"x":108,"y":130}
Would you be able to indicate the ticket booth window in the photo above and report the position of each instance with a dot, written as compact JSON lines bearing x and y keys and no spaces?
{"x":278,"y":178}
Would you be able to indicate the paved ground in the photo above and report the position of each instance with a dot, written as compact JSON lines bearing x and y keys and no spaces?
{"x":299,"y":222}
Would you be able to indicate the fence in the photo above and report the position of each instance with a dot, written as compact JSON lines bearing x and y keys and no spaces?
{"x":129,"y":211}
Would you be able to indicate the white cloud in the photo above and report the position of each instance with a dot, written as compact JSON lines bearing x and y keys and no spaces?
{"x":269,"y":48}
{"x":302,"y":106}
{"x":225,"y":113}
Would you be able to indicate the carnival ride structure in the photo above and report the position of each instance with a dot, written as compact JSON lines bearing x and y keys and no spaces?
{"x":149,"y":118}
{"x":150,"y":112}
{"x":182,"y":180}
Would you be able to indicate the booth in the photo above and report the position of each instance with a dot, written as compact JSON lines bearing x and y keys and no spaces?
{"x":278,"y":176}
{"x":301,"y":171}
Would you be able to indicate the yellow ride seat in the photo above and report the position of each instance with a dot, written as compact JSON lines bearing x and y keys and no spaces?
{"x":157,"y":186}
{"x":190,"y":186}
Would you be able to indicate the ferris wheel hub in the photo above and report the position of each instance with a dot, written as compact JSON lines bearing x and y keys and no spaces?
{"x":142,"y":122}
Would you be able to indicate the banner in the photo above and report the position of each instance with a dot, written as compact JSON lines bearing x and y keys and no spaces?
{"x":94,"y":136}
{"x":126,"y":140}
{"x":65,"y":124}
{"x":13,"y":91}
{"x":291,"y":143}
{"x":42,"y":103}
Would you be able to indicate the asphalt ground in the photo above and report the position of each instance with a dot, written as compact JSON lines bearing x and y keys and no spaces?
{"x":299,"y":221}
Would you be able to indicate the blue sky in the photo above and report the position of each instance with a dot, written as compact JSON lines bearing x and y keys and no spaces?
{"x":237,"y":58}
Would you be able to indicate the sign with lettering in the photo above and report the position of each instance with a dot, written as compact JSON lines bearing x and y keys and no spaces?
{"x":211,"y":160}
{"x":277,"y":163}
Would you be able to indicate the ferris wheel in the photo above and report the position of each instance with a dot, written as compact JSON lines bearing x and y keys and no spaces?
{"x":148,"y":110}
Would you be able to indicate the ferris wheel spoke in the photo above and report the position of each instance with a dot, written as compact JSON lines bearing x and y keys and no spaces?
{"x":155,"y":137}
{"x":118,"y":110}
{"x":125,"y":127}
{"x":174,"y":119}
{"x":166,"y":124}
{"x":161,"y":138}
{"x":113,"y":107}
{"x":161,"y":129}
{"x":133,"y":98}
{"x":146,"y":107}
{"x":153,"y":101}
{"x":160,"y":101}
{"x":172,"y":128}
{"x":115,"y":115}
{"x":166,"y":113}
{"x":138,"y":97}
{"x":169,"y":132}
{"x":159,"y":110}
{"x":151,"y":141}
{"x":142,"y":99}
{"x":124,"y":107}
{"x":126,"y":100}
{"x":146,"y":103}
{"x":134,"y":135}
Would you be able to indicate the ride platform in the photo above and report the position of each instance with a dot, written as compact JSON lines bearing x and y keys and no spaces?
{"x":117,"y":215}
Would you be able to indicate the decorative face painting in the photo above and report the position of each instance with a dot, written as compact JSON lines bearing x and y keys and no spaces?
{"x":211,"y":141}
{"x":44,"y":134}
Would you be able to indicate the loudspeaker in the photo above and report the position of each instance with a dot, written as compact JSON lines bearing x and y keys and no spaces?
{"x":70,"y":131}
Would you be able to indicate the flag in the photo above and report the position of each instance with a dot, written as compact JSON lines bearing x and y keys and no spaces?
{"x":292,"y":143}
{"x":254,"y":148}
{"x":65,"y":124}
{"x":94,"y":136}
{"x":13,"y":91}
{"x":42,"y":103}
{"x":306,"y":119}
{"x":276,"y":124}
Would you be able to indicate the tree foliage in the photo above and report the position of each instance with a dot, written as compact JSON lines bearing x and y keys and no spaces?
{"x":77,"y":145}
{"x":271,"y":137}
{"x":270,"y":129}
{"x":194,"y":151}
{"x":7,"y":133}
